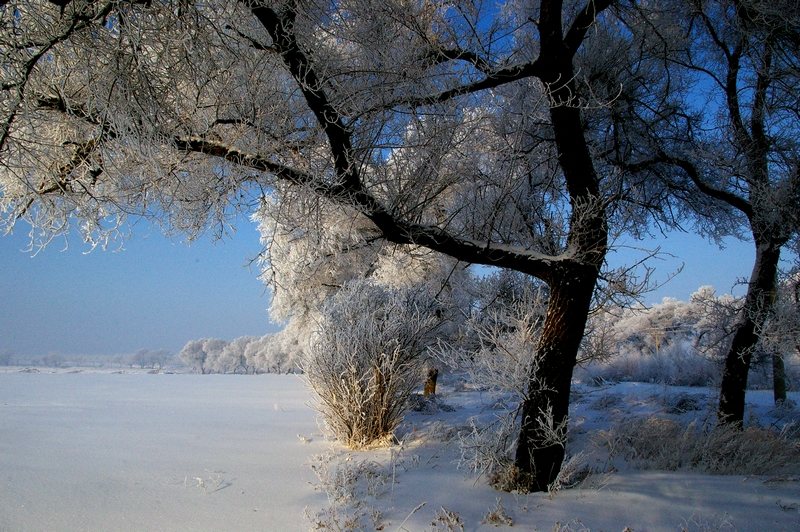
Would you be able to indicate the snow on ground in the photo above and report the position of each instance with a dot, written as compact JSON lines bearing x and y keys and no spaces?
{"x":94,"y":451}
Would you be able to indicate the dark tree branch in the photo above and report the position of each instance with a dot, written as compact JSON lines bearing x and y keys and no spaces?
{"x":694,"y":174}
{"x":757,"y":116}
{"x":441,"y":55}
{"x":583,"y":21}
{"x":281,"y":29}
{"x":493,"y":79}
{"x":254,"y":43}
{"x":732,"y":97}
{"x":392,"y":228}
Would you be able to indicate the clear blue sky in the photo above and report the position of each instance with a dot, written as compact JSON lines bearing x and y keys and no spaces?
{"x":159,"y":294}
{"x":155,"y":294}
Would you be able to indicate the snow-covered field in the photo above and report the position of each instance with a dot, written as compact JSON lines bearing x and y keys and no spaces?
{"x":102,"y":451}
{"x":154,"y":452}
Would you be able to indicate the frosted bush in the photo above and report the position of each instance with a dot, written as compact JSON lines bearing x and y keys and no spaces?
{"x":365,"y":360}
{"x":676,"y":364}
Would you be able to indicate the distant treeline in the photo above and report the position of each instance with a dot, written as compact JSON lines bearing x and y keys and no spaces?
{"x":143,"y":358}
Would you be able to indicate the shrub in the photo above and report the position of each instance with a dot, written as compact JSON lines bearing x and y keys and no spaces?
{"x":365,"y":360}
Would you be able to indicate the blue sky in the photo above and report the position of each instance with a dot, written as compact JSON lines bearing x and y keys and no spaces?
{"x":154,"y":294}
{"x":159,"y":293}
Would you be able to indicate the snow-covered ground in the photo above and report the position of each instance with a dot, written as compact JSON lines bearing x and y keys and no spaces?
{"x":94,"y":451}
{"x":102,"y":451}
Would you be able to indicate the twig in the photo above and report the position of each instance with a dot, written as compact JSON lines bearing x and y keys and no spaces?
{"x":420,"y":505}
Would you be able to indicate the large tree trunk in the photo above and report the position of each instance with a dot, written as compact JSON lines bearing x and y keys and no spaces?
{"x":540,"y":446}
{"x":757,"y":305}
{"x":540,"y":450}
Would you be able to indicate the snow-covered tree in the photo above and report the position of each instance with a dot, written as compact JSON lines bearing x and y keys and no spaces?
{"x":313,"y":254}
{"x":478,"y":130}
{"x":737,"y":148}
{"x":154,"y":358}
{"x":275,"y":353}
{"x":202,"y":355}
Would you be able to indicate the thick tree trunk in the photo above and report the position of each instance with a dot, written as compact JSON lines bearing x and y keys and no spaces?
{"x":540,"y":451}
{"x":540,"y":446}
{"x":758,"y":303}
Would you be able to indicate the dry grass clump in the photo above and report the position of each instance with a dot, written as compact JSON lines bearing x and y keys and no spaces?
{"x":657,"y":443}
{"x":352,"y":487}
{"x":498,"y":516}
{"x":505,"y":476}
{"x":447,"y":521}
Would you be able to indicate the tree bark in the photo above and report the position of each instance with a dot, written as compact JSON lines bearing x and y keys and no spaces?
{"x":758,"y":302}
{"x":540,"y":453}
{"x":541,"y":443}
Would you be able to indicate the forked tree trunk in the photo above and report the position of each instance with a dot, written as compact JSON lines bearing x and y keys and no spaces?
{"x":540,"y":453}
{"x":757,"y":305}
